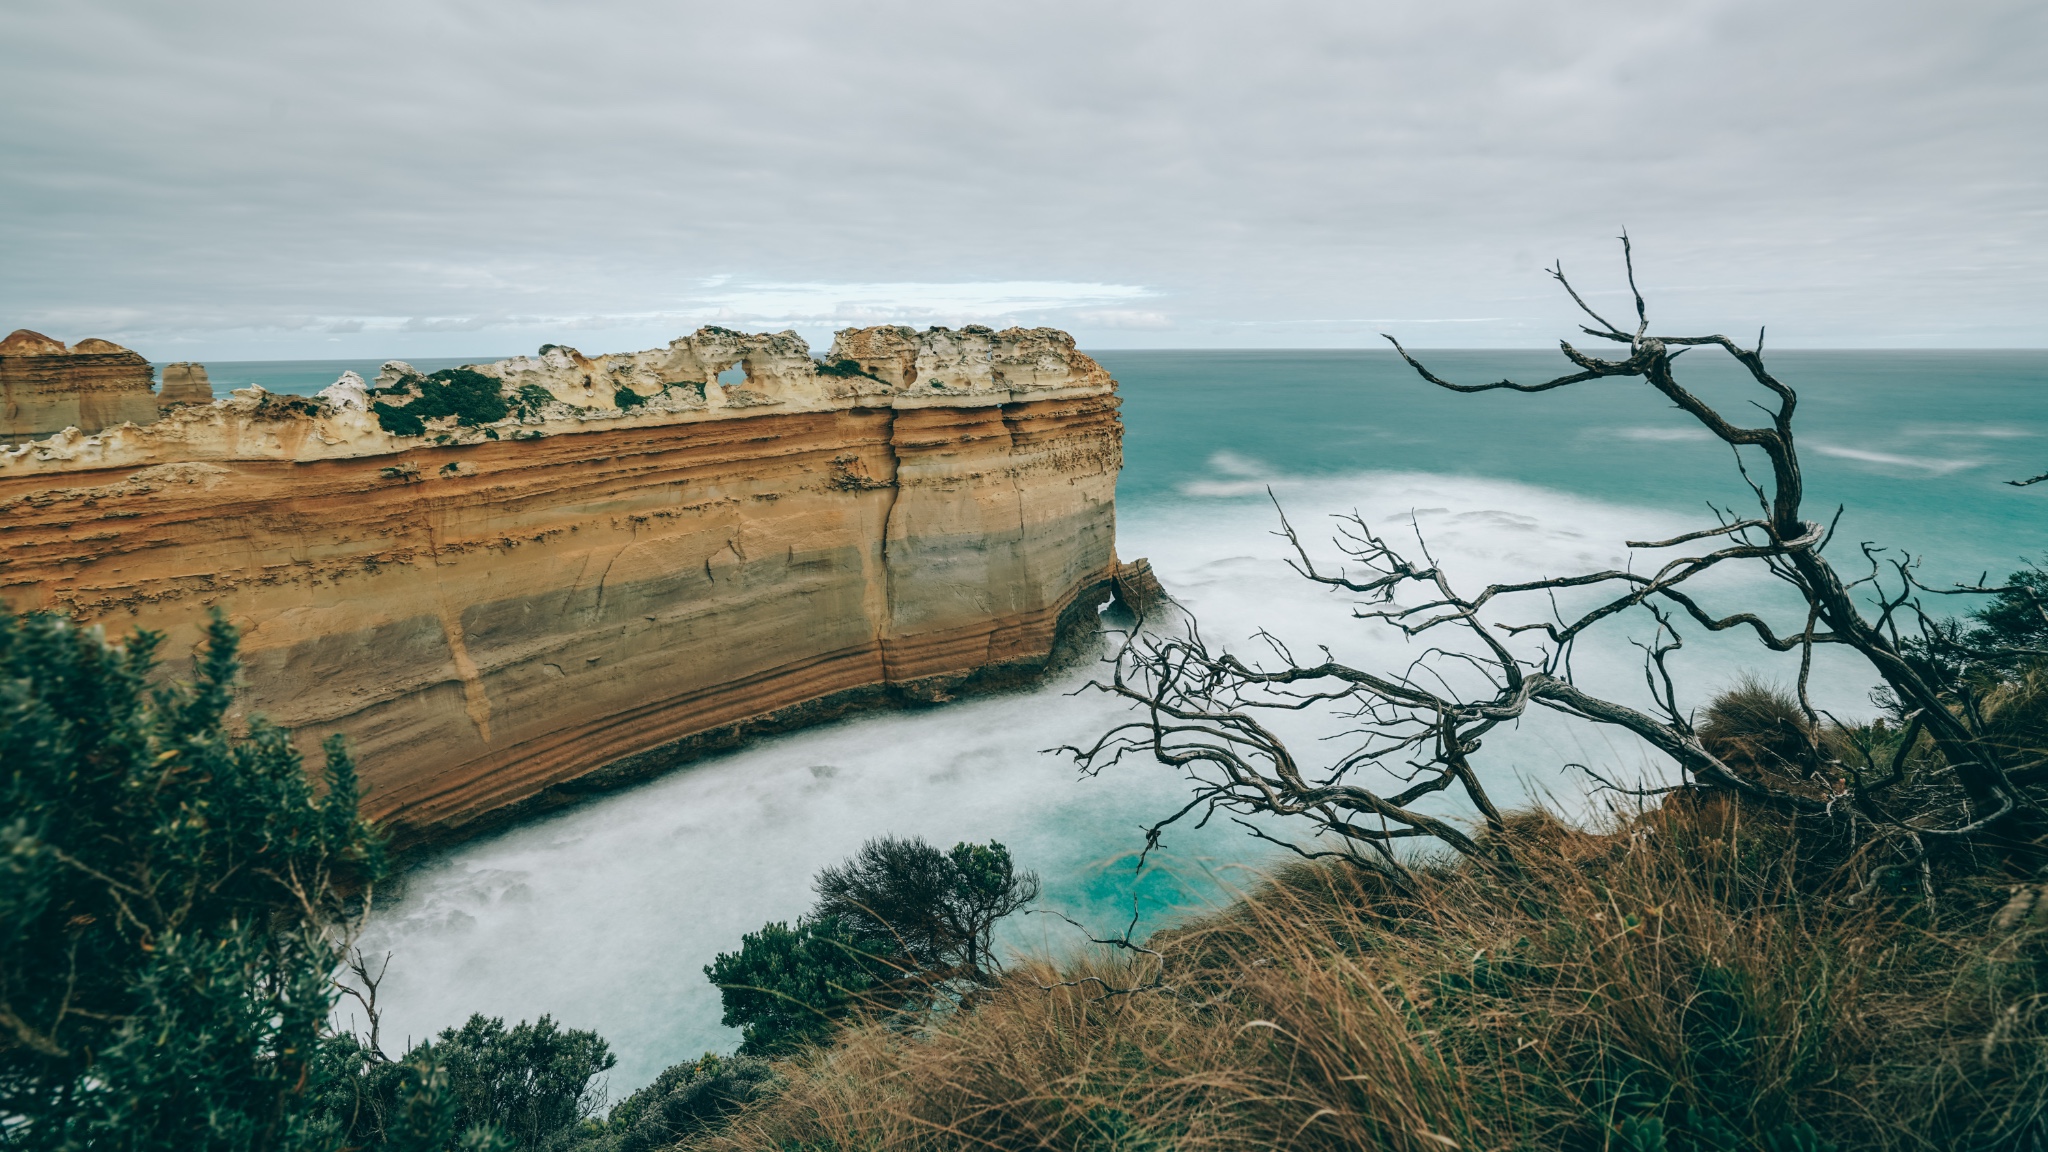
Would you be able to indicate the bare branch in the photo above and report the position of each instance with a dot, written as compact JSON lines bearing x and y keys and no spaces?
{"x":1413,"y":731}
{"x":1591,"y":373}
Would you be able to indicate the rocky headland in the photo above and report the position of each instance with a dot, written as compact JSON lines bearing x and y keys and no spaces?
{"x":46,"y":387}
{"x":513,"y":581}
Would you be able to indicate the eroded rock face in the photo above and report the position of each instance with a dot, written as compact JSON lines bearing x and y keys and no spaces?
{"x":350,"y":392}
{"x":184,"y":383}
{"x":600,"y":589}
{"x":46,"y":387}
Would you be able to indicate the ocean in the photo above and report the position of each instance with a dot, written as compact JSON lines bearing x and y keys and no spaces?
{"x":604,"y":915}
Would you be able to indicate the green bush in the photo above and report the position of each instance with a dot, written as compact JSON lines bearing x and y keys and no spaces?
{"x":928,"y":911}
{"x":842,"y":369}
{"x":687,"y":1099}
{"x":531,"y":400}
{"x":168,"y":890}
{"x":532,"y":1080}
{"x":786,"y":987}
{"x":900,"y":926}
{"x":2012,"y":631}
{"x":528,"y":1085}
{"x":464,"y":393}
{"x":399,"y":421}
{"x":369,"y":1104}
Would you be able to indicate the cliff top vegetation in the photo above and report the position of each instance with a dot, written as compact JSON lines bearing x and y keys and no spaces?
{"x":1825,"y":934}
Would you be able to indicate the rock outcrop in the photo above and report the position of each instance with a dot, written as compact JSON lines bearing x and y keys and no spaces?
{"x":46,"y":387}
{"x":647,"y":555}
{"x":184,"y":383}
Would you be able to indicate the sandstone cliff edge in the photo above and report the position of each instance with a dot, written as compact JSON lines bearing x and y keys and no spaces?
{"x":508,"y":582}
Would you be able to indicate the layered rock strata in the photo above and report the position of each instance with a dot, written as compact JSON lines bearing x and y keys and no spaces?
{"x":184,"y":383}
{"x":46,"y":387}
{"x":646,"y":555}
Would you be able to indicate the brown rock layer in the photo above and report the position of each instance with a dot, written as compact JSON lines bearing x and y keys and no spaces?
{"x":46,"y":387}
{"x":491,"y":621}
{"x":184,"y":383}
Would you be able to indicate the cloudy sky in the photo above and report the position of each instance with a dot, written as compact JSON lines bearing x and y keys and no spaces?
{"x":473,"y":177}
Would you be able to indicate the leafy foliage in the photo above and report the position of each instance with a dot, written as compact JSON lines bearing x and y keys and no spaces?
{"x":2016,"y":622}
{"x":1991,"y":669}
{"x":528,"y":1087}
{"x":531,"y":399}
{"x":843,"y":369}
{"x":464,"y":393}
{"x":369,"y":1104}
{"x":399,"y":420}
{"x":168,"y":897}
{"x":928,"y":910}
{"x":627,"y":398}
{"x":900,"y":926}
{"x":684,"y":1101}
{"x":532,"y":1080}
{"x":1678,"y":982}
{"x":786,"y":987}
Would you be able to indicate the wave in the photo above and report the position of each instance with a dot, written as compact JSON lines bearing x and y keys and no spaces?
{"x":1970,"y":431}
{"x":605,"y":914}
{"x":1661,"y":435}
{"x":1931,"y":466}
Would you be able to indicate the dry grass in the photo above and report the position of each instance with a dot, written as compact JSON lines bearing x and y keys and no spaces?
{"x":1686,"y":981}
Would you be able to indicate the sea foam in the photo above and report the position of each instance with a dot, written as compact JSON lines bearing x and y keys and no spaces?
{"x":605,"y":914}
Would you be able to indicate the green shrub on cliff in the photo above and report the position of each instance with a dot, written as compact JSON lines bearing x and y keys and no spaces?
{"x":1683,"y":981}
{"x":844,"y":369}
{"x":399,"y":421}
{"x":928,"y":911}
{"x":482,"y":1085}
{"x":368,"y":1104}
{"x":900,"y":926}
{"x":687,"y":1100}
{"x":789,"y":986}
{"x":1696,"y":977}
{"x":464,"y":393}
{"x":1997,"y":641}
{"x":531,"y":400}
{"x":169,"y":890}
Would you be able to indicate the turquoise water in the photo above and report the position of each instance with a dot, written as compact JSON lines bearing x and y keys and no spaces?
{"x":604,"y":914}
{"x":1917,"y":445}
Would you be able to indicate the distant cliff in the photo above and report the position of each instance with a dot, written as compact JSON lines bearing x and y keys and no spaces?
{"x":601,"y":564}
{"x":46,"y":387}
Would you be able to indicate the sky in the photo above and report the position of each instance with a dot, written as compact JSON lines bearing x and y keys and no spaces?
{"x":477,"y":177}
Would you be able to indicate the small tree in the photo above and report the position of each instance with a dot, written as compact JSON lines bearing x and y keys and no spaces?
{"x":1945,"y":776}
{"x":901,"y":926}
{"x":788,"y":987}
{"x":173,"y":899}
{"x":685,"y":1100}
{"x":478,"y":1087}
{"x":931,"y":911}
{"x":533,"y":1080}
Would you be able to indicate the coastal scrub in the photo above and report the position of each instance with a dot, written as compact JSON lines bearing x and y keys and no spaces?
{"x":1680,"y":981}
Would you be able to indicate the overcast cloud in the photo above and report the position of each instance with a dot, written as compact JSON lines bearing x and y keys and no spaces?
{"x":425,"y":177}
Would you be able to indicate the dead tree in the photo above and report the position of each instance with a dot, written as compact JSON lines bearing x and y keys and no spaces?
{"x":1207,"y":711}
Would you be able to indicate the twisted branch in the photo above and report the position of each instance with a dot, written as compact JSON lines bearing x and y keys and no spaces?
{"x":1198,"y":709}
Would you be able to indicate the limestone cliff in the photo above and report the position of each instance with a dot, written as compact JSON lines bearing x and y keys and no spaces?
{"x":46,"y":387}
{"x":647,"y":553}
{"x":185,"y":383}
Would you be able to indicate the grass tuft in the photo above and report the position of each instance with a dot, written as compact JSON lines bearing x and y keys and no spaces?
{"x":1688,"y":979}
